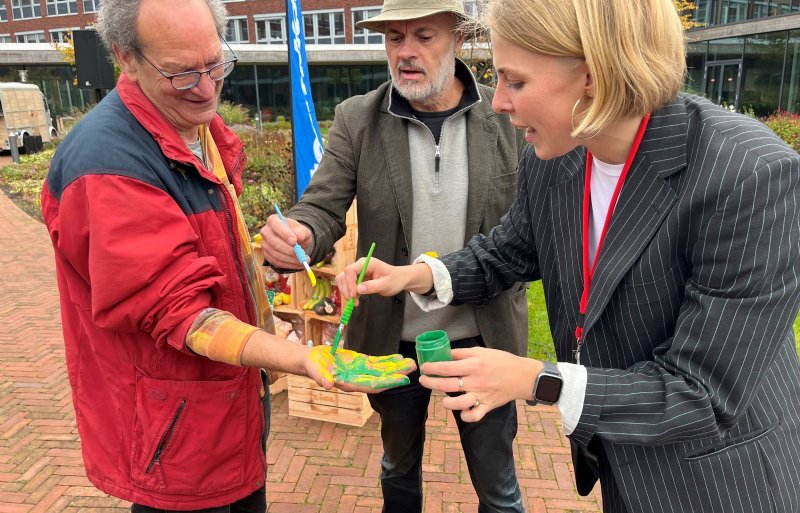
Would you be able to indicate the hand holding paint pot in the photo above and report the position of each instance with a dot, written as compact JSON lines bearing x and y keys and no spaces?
{"x":357,"y":372}
{"x":433,"y":346}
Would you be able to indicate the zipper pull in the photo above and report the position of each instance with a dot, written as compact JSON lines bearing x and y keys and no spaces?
{"x":437,"y":155}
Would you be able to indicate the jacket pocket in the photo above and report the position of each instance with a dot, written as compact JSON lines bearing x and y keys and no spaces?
{"x":189,"y":436}
{"x":727,"y":444}
{"x":736,"y":473}
{"x":505,"y":181}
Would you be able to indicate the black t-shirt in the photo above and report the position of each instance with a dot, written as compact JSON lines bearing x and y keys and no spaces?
{"x":435,"y":120}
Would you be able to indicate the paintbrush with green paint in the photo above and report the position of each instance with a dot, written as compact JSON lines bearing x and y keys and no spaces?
{"x":351,"y":303}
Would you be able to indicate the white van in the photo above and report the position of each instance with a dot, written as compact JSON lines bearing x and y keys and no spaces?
{"x":24,"y":112}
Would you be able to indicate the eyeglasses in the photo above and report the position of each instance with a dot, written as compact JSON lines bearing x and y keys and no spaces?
{"x":189,"y":79}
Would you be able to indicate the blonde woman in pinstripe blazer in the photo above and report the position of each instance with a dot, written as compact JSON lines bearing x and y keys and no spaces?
{"x":687,"y":395}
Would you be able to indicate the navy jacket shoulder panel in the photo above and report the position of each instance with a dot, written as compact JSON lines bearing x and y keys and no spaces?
{"x":110,"y":141}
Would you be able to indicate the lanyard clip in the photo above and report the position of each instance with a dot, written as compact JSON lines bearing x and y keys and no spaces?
{"x":579,"y":338}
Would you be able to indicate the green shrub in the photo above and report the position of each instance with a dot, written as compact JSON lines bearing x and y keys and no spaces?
{"x":786,"y":126}
{"x":256,"y":202}
{"x":233,"y":114}
{"x":268,"y":176}
{"x":23,"y":181}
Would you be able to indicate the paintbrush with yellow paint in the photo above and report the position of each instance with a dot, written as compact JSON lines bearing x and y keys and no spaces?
{"x":298,"y":250}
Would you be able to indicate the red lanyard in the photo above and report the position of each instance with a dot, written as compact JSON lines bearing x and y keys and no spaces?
{"x":588,"y":271}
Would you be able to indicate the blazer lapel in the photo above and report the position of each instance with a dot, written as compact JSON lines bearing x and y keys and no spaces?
{"x":645,"y":200}
{"x":565,"y":207}
{"x":398,"y":165}
{"x":482,"y":164}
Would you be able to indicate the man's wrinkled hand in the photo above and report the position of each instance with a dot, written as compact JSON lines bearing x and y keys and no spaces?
{"x":357,"y":372}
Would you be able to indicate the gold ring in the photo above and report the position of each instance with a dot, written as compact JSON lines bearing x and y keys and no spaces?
{"x":460,"y":384}
{"x":477,"y":403}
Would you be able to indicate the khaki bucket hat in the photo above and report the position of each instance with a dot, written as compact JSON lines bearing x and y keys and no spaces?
{"x":403,"y":10}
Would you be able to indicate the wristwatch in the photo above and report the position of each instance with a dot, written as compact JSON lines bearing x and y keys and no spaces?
{"x":547,"y":388}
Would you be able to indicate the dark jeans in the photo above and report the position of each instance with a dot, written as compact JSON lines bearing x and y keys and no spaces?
{"x":256,"y":502}
{"x":487,"y":447}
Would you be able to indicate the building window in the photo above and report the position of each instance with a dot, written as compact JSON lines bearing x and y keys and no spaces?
{"x":237,"y":31}
{"x":3,"y":13}
{"x":25,"y":9}
{"x":61,"y":35}
{"x":271,"y":31}
{"x":324,"y":28}
{"x":30,"y":37}
{"x":696,"y":66}
{"x":790,"y":99}
{"x":363,"y":36}
{"x":91,"y":5}
{"x":5,"y":38}
{"x":471,"y":8}
{"x":762,"y":69}
{"x":61,"y":7}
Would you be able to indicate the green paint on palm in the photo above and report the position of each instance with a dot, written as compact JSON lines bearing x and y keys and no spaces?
{"x":357,"y":372}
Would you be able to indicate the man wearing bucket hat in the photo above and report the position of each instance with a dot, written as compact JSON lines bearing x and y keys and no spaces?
{"x":432,"y":165}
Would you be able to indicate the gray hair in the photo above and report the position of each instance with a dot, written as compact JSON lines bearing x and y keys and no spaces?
{"x":116,"y":23}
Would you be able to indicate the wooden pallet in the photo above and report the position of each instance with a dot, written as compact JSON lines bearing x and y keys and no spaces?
{"x":309,"y":400}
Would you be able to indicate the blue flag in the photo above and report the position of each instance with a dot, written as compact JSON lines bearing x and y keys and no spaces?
{"x":307,"y":139}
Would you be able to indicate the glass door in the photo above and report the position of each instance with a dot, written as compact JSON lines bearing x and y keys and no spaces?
{"x":722,"y":83}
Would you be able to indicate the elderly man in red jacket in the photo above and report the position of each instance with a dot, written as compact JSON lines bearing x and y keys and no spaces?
{"x":163,"y":305}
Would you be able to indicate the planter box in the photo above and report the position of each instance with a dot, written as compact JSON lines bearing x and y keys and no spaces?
{"x":310,"y":401}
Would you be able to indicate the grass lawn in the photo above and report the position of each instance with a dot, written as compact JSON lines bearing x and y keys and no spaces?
{"x":797,"y":333}
{"x":540,"y":343}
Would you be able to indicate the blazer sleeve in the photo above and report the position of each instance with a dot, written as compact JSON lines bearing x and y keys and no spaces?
{"x":505,"y":256}
{"x":323,"y":207}
{"x":735,"y":319}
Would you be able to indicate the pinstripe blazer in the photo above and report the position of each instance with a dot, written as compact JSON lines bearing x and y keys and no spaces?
{"x":693,"y":394}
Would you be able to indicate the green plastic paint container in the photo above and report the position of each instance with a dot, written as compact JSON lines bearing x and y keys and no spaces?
{"x":433,"y":346}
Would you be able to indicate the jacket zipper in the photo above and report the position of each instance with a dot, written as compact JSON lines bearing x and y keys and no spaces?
{"x":166,"y":438}
{"x":437,"y":157}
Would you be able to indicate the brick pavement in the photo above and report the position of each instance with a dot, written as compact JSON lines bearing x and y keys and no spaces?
{"x":314,"y":466}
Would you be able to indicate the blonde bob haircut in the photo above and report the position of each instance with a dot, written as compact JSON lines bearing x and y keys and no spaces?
{"x":634,"y":49}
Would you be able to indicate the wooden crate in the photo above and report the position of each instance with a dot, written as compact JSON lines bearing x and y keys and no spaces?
{"x":309,"y":400}
{"x":278,"y":382}
{"x":346,"y":246}
{"x":306,"y":398}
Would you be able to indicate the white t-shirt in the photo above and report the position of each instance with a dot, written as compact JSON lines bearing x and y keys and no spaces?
{"x":604,"y":180}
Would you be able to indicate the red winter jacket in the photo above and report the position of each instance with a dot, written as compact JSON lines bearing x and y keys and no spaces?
{"x":145,"y":239}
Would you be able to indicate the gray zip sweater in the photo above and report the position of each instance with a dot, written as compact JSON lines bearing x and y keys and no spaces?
{"x":440,"y":177}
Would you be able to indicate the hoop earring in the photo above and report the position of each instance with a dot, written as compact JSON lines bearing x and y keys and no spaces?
{"x":572,"y":122}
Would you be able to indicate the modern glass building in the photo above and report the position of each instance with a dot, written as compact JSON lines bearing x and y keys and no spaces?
{"x":343,"y":59}
{"x":746,"y":54}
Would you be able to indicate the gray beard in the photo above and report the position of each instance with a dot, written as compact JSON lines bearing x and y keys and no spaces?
{"x":433,"y":87}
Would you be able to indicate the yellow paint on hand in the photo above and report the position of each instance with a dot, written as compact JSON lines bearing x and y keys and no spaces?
{"x":373,"y":372}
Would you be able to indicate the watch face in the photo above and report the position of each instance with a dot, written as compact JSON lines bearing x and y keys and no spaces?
{"x":548,"y":388}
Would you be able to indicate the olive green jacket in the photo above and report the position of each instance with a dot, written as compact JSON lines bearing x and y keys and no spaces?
{"x":368,"y":156}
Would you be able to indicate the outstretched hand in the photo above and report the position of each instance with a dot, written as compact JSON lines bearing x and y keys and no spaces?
{"x":384,"y":279}
{"x":356,"y":372}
